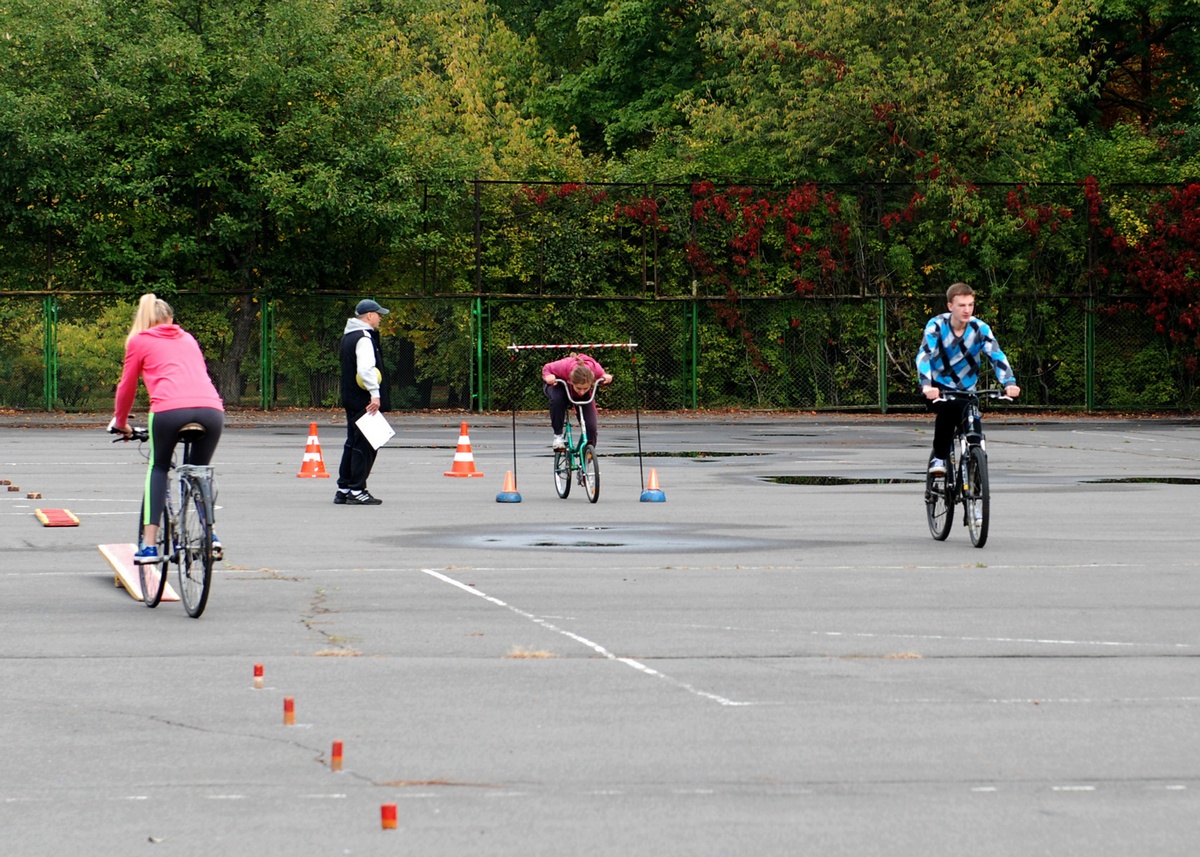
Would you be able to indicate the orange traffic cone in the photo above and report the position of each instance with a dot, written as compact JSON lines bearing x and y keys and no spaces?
{"x":464,"y":461}
{"x":653,"y":494}
{"x":314,"y":465}
{"x":509,"y":494}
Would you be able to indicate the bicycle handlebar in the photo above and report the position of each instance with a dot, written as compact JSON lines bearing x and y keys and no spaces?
{"x":951,"y":395}
{"x":572,"y":399}
{"x":135,"y":433}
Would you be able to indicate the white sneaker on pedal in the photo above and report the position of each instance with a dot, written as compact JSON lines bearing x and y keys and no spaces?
{"x":937,"y":467}
{"x":559,"y":442}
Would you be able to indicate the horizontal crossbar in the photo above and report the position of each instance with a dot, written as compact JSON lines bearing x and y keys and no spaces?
{"x":586,"y":346}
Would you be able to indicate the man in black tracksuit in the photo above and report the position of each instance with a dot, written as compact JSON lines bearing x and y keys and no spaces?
{"x":364,"y":391}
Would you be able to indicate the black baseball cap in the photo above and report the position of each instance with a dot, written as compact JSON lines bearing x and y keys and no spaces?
{"x":368,"y":305}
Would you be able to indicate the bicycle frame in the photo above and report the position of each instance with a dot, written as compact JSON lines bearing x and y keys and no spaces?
{"x":579,"y":457}
{"x":966,"y":477}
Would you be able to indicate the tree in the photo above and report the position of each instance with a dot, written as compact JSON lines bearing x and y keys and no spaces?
{"x":868,"y":90}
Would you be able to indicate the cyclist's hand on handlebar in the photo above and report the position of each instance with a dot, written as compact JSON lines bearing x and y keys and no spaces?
{"x":113,"y":428}
{"x":932,"y":393}
{"x":1012,"y":391}
{"x":549,"y":379}
{"x":606,"y":379}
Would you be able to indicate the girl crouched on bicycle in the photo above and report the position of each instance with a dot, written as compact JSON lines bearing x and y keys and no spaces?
{"x":169,"y":360}
{"x":580,"y":371}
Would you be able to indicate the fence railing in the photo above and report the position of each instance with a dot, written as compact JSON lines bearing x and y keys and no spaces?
{"x":64,"y":351}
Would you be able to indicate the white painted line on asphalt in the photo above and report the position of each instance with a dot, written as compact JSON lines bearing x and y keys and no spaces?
{"x":1073,"y":788}
{"x":596,"y":647}
{"x":944,"y":637}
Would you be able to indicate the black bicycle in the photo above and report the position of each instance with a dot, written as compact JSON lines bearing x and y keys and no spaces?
{"x":966,"y":478}
{"x":185,"y":533}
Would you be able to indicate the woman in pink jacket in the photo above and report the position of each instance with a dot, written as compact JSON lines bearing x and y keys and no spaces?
{"x":169,"y":360}
{"x":581,"y":372}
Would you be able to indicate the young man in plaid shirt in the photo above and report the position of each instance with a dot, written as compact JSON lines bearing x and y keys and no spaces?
{"x":948,"y":359}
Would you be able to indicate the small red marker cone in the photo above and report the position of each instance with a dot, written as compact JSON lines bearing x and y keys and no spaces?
{"x":387,"y":815}
{"x":335,"y":758}
{"x":258,"y":676}
{"x":289,"y":711}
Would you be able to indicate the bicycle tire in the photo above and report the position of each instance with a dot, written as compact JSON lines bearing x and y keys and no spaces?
{"x":591,"y":473}
{"x":153,"y":576}
{"x":976,"y":496}
{"x":195,"y":543}
{"x":562,"y":472}
{"x":939,"y":504}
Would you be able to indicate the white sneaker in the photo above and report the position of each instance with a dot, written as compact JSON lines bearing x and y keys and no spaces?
{"x":559,"y":442}
{"x":937,"y":467}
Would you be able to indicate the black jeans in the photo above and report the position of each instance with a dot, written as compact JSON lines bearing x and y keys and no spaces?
{"x":948,"y":417}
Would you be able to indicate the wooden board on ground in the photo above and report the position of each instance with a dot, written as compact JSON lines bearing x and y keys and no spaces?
{"x":125,"y":573}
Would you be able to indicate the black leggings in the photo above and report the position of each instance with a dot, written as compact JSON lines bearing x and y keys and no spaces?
{"x":164,"y":435}
{"x":557,"y":395}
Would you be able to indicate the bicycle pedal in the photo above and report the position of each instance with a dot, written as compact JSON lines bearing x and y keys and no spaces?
{"x":218,"y":553}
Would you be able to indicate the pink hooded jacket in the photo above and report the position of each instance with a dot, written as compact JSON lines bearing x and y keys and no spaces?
{"x":169,"y":359}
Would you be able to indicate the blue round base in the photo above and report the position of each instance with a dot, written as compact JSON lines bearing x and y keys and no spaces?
{"x":508,"y":497}
{"x":649,"y":496}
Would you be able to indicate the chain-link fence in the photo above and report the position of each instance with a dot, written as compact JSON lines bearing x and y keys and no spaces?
{"x":64,"y":351}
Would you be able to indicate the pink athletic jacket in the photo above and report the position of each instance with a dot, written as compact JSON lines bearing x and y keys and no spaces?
{"x":562,"y":368}
{"x":169,"y":359}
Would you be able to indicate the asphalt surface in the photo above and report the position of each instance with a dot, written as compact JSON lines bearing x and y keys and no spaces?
{"x":763,"y":664}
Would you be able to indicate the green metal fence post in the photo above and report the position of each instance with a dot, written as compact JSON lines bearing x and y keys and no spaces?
{"x":266,"y":384}
{"x":881,"y":356}
{"x":477,"y":368}
{"x":1089,"y":357}
{"x":50,"y":350}
{"x":692,"y":358}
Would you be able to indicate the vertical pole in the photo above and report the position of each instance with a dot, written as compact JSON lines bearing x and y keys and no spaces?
{"x":1089,"y":359}
{"x":881,"y":355}
{"x":50,"y":351}
{"x":266,"y":384}
{"x":477,"y":371}
{"x":694,"y":355}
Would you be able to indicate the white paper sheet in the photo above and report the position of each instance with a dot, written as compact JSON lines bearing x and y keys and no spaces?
{"x":375,"y":429}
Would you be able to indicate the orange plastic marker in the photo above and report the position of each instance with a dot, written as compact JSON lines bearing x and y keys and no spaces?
{"x":387,"y":814}
{"x":289,"y":711}
{"x":335,"y":759}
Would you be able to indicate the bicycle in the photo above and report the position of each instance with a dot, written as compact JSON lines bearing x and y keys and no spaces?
{"x":966,"y":478}
{"x":577,"y":458}
{"x":185,"y":532}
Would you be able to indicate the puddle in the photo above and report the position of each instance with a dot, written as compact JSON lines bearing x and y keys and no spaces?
{"x":616,"y":538}
{"x":838,"y":480}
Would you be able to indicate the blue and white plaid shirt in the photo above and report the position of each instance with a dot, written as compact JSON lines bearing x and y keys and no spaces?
{"x":952,"y":362}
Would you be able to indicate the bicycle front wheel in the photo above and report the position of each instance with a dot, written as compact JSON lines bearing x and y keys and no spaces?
{"x":976,"y":498}
{"x":591,"y":473}
{"x":153,"y":576}
{"x":562,"y":472}
{"x":939,"y":504}
{"x":195,"y":541}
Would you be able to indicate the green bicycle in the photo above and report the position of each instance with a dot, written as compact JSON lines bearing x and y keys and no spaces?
{"x":577,"y":460}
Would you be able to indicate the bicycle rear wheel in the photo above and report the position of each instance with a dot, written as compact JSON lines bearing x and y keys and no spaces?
{"x":976,"y":498}
{"x":591,"y":473}
{"x":153,"y":576}
{"x":195,"y":540}
{"x":562,"y":472}
{"x":939,"y":504}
